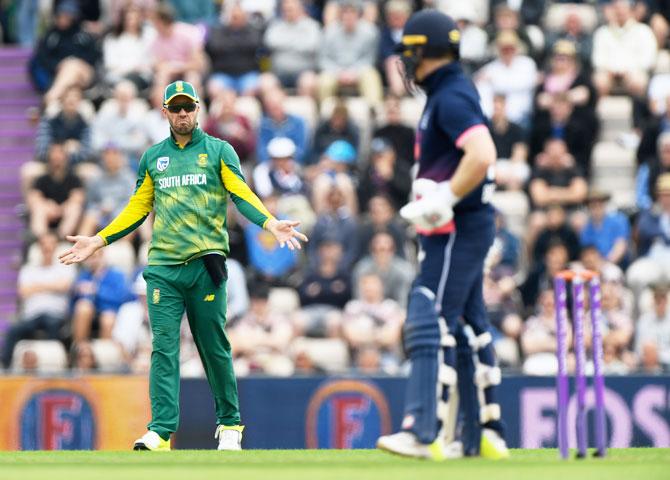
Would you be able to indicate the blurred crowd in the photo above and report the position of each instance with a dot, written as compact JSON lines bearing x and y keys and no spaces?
{"x":310,"y":96}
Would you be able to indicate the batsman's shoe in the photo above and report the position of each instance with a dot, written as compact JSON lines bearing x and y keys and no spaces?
{"x":230,"y":438}
{"x":492,"y":445}
{"x":407,"y":445}
{"x":152,"y":441}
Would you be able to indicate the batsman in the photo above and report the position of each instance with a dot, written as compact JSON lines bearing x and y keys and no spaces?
{"x":186,"y":180}
{"x":451,"y":212}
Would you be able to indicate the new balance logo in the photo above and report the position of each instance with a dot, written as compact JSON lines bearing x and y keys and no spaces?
{"x":209,"y":298}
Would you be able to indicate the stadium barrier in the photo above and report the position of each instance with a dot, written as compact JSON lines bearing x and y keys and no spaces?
{"x":109,"y":412}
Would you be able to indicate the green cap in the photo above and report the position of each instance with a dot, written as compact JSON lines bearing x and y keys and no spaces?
{"x":179,"y":88}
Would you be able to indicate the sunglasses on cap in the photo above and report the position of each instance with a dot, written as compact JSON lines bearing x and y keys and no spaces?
{"x":176,"y":108}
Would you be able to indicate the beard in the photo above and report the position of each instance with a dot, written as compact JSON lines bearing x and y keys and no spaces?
{"x":183,"y":128}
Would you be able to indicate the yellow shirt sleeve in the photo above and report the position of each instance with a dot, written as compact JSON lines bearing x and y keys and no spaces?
{"x":138,"y":208}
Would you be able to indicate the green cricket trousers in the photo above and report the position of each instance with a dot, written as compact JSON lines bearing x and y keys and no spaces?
{"x":171,"y":289}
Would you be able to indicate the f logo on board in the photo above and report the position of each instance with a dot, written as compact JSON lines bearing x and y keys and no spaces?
{"x":162,"y":163}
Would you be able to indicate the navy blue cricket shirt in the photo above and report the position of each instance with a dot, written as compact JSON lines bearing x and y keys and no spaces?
{"x":451,"y":114}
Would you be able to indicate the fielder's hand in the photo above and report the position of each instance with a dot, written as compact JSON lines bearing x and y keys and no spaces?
{"x":285,"y":233}
{"x":83,"y":248}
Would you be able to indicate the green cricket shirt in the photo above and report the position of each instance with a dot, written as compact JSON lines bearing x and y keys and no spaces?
{"x":188,"y":188}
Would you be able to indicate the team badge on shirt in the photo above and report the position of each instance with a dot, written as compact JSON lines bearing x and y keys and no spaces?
{"x":162,"y":163}
{"x":202,"y":160}
{"x":156,"y":297}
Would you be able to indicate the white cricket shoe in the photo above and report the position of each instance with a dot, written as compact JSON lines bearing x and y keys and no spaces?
{"x":492,"y":445}
{"x":230,"y":437}
{"x":153,"y":442}
{"x":407,"y":445}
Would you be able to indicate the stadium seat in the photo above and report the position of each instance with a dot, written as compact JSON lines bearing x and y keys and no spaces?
{"x":108,"y":356}
{"x":34,"y":256}
{"x":250,"y":108}
{"x":556,"y":14}
{"x":614,"y":172}
{"x":329,"y":354}
{"x":514,"y":207}
{"x":122,"y":256}
{"x":616,"y":116}
{"x":50,"y":355}
{"x":283,"y":300}
{"x":662,"y":62}
{"x":305,"y":108}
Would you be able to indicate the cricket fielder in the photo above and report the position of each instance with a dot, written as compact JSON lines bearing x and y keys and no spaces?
{"x":451,"y":212}
{"x":186,"y":179}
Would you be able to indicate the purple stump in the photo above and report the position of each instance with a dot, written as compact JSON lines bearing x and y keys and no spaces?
{"x":560,"y":296}
{"x":598,"y":377}
{"x":580,"y":362}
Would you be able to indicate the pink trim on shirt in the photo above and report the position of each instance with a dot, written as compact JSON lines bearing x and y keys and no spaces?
{"x":464,"y":136}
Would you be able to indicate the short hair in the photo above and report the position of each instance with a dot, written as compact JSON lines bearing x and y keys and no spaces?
{"x":165,"y":13}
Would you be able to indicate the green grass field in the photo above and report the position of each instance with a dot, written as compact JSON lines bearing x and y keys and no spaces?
{"x":624,"y":464}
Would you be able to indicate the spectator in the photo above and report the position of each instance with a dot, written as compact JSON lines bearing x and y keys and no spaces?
{"x":653,"y":241}
{"x":385,"y":176}
{"x":280,"y":175}
{"x":381,"y":217}
{"x":65,"y":56}
{"x":396,"y":274}
{"x":608,"y":231}
{"x":659,"y":93}
{"x":277,"y":123}
{"x":335,"y":222}
{"x":56,"y":199}
{"x":556,"y":178}
{"x":237,"y":293}
{"x":225,"y":123}
{"x":338,"y":127}
{"x":99,"y":292}
{"x":262,"y":336}
{"x":560,"y":122}
{"x":266,"y":258}
{"x":396,"y":14}
{"x":348,"y":55}
{"x":573,"y":31}
{"x":541,"y":277}
{"x":512,"y":169}
{"x":126,"y":48}
{"x":395,"y":131}
{"x":648,"y":173}
{"x":503,"y":305}
{"x":507,"y":247}
{"x":232,"y":47}
{"x":107,"y":196}
{"x":566,"y":77}
{"x":648,"y":148}
{"x":177,"y":51}
{"x":338,"y":159}
{"x":293,"y":41}
{"x":652,"y":337}
{"x":473,"y":48}
{"x":373,"y":321}
{"x":557,"y":229}
{"x":43,"y":292}
{"x":616,"y":325}
{"x":538,"y":340}
{"x":83,"y":358}
{"x":131,"y":329}
{"x":505,"y":18}
{"x":325,"y":287}
{"x":635,"y":47}
{"x":510,"y":74}
{"x":120,"y":120}
{"x":68,"y":127}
